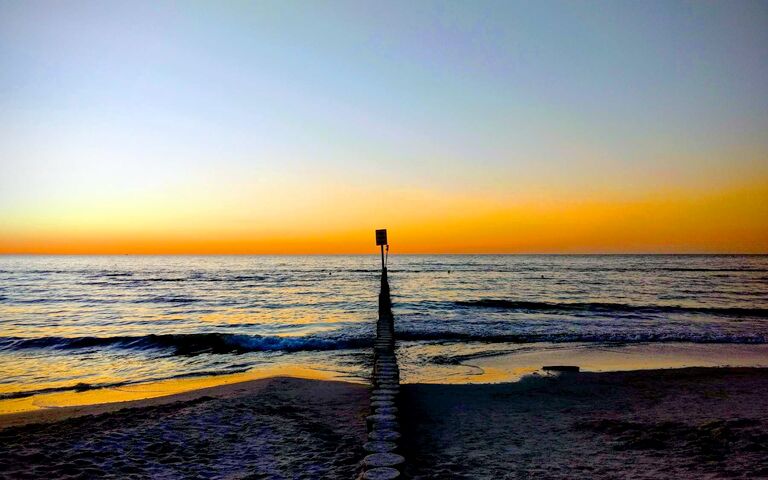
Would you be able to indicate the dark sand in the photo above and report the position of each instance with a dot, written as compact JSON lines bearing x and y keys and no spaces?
{"x":660,"y":424}
{"x":274,"y":428}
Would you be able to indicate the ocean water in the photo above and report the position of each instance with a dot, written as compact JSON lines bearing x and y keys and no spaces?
{"x":116,"y":320}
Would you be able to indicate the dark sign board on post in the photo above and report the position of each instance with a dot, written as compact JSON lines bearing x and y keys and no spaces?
{"x":381,"y":237}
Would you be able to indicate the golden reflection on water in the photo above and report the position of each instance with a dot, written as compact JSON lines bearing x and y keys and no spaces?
{"x":256,"y":316}
{"x":161,"y":388}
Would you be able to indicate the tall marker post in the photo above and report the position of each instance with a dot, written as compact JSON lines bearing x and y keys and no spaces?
{"x":382,"y":461}
{"x":381,"y":240}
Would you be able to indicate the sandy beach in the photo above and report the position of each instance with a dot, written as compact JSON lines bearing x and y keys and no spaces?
{"x":651,"y":424}
{"x":696,"y":422}
{"x":272,"y":428}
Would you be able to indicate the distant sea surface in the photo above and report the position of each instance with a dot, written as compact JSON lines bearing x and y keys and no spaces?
{"x":116,"y":320}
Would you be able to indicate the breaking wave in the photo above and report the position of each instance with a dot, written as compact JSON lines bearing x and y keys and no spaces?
{"x":223,"y":343}
{"x":189,"y":344}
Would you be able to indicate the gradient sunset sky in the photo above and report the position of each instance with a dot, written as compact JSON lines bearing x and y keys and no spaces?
{"x":300,"y":127}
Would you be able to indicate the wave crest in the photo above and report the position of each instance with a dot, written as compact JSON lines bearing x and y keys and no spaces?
{"x":188,"y":344}
{"x":604,"y":307}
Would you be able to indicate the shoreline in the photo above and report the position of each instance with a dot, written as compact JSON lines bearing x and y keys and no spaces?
{"x":612,"y":358}
{"x":475,"y":363}
{"x":56,"y":406}
{"x":498,"y":369}
{"x":234,"y":385}
{"x":661,"y":423}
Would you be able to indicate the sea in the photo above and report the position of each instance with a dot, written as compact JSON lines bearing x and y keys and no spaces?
{"x":74,"y":322}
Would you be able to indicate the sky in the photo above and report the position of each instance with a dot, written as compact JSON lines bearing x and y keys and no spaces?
{"x":462,"y":127}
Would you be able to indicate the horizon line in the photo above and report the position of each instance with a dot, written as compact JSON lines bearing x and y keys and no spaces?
{"x":54,"y":254}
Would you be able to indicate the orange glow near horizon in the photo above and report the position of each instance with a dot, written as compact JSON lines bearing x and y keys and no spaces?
{"x":733,"y":219}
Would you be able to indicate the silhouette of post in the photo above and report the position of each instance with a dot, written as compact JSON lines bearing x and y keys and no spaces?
{"x":385,"y":330}
{"x":382,"y":460}
{"x":386,"y":324}
{"x":381,"y":241}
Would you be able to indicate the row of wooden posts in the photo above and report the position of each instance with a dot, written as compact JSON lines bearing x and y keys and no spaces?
{"x":382,"y":461}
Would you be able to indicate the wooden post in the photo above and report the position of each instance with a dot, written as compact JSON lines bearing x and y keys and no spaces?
{"x":383,"y":427}
{"x":383,"y":267}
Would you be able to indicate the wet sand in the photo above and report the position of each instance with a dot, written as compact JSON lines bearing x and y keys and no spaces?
{"x":653,"y":424}
{"x":99,"y":400}
{"x":474,"y":362}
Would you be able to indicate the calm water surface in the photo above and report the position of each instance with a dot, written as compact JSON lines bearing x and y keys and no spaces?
{"x":109,"y":320}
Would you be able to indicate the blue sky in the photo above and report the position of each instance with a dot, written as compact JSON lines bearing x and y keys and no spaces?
{"x":107,"y":101}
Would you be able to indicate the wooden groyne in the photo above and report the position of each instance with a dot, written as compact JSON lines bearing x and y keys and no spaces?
{"x":382,"y":460}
